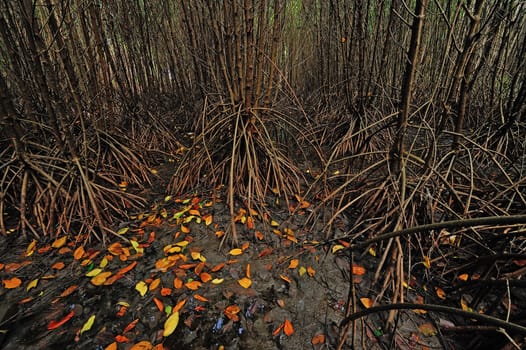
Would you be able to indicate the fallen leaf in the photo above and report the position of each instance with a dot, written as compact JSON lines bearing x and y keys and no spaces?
{"x":130,"y":326}
{"x":178,"y":283}
{"x":123,"y":230}
{"x":170,"y":324}
{"x":179,"y":305}
{"x":166,"y":291}
{"x":217,"y":267}
{"x":311,"y":271}
{"x":464,"y":277}
{"x":235,"y":251}
{"x":274,"y":223}
{"x":302,"y":270}
{"x":288,"y":329}
{"x":31,"y":248}
{"x":427,"y":262}
{"x":122,"y":339}
{"x":205,"y":277}
{"x":112,"y":346}
{"x":440,"y":293}
{"x":142,"y":345}
{"x":277,"y":330}
{"x":318,"y":339}
{"x":366,"y":302}
{"x":32,"y":284}
{"x":208,"y":219}
{"x":427,"y":329}
{"x":200,"y":298}
{"x":100,"y":278}
{"x":59,"y":242}
{"x":155,"y":283}
{"x":245,"y":282}
{"x":141,"y":287}
{"x":259,"y":235}
{"x":58,"y":265}
{"x":69,"y":290}
{"x":55,"y":324}
{"x":87,"y":325}
{"x":217,"y":280}
{"x":159,"y":304}
{"x":285,"y":278}
{"x":358,"y":270}
{"x":193,"y":285}
{"x":93,"y":272}
{"x":336,"y":248}
{"x":294,"y":263}
{"x":12,"y":283}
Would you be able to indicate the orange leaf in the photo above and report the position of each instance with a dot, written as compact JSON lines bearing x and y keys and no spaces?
{"x":166,"y":291}
{"x":233,"y":309}
{"x":122,"y":339}
{"x":59,"y":242}
{"x":259,"y":235}
{"x":318,"y":339}
{"x":440,"y":293}
{"x":179,"y":306}
{"x":199,"y":268}
{"x":218,"y":267}
{"x":277,"y":330}
{"x":100,"y":278}
{"x":245,"y":282}
{"x":200,"y":298}
{"x":113,"y":279}
{"x":285,"y":278}
{"x":294,"y":263}
{"x":12,"y":283}
{"x":193,"y":285}
{"x":64,"y":250}
{"x":358,"y":270}
{"x":178,"y":283}
{"x":250,"y":223}
{"x":311,"y":271}
{"x":131,"y":325}
{"x":69,"y":290}
{"x":142,"y":345}
{"x":121,"y":311}
{"x":155,"y":283}
{"x":265,"y":252}
{"x":205,"y":277}
{"x":55,"y":324}
{"x":112,"y":346}
{"x":127,"y":268}
{"x":464,"y":277}
{"x":185,"y":229}
{"x":208,"y":219}
{"x":58,"y":265}
{"x":367,"y":302}
{"x":159,"y":304}
{"x":288,"y":329}
{"x":79,"y":253}
{"x":248,"y":271}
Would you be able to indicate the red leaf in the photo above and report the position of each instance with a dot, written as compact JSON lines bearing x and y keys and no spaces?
{"x":55,"y":324}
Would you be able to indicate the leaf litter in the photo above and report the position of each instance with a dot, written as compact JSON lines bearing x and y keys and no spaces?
{"x":168,"y":285}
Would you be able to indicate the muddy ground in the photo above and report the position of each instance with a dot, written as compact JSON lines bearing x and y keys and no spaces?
{"x":297,"y":298}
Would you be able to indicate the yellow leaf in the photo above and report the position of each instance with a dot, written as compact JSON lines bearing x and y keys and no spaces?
{"x":87,"y":326}
{"x":217,"y":280}
{"x":336,"y":248}
{"x":93,"y":272}
{"x":123,"y":230}
{"x":141,"y":287}
{"x":427,"y":262}
{"x":427,"y":329}
{"x":101,"y":278}
{"x":302,"y":270}
{"x":367,"y":302}
{"x":12,"y":283}
{"x":245,"y":282}
{"x":195,"y":255}
{"x":372,"y":251}
{"x":274,"y":223}
{"x":103,"y":262}
{"x":59,"y":242}
{"x":171,"y":324}
{"x":31,"y":248}
{"x":294,"y":263}
{"x":32,"y":284}
{"x":235,"y":251}
{"x":135,"y":245}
